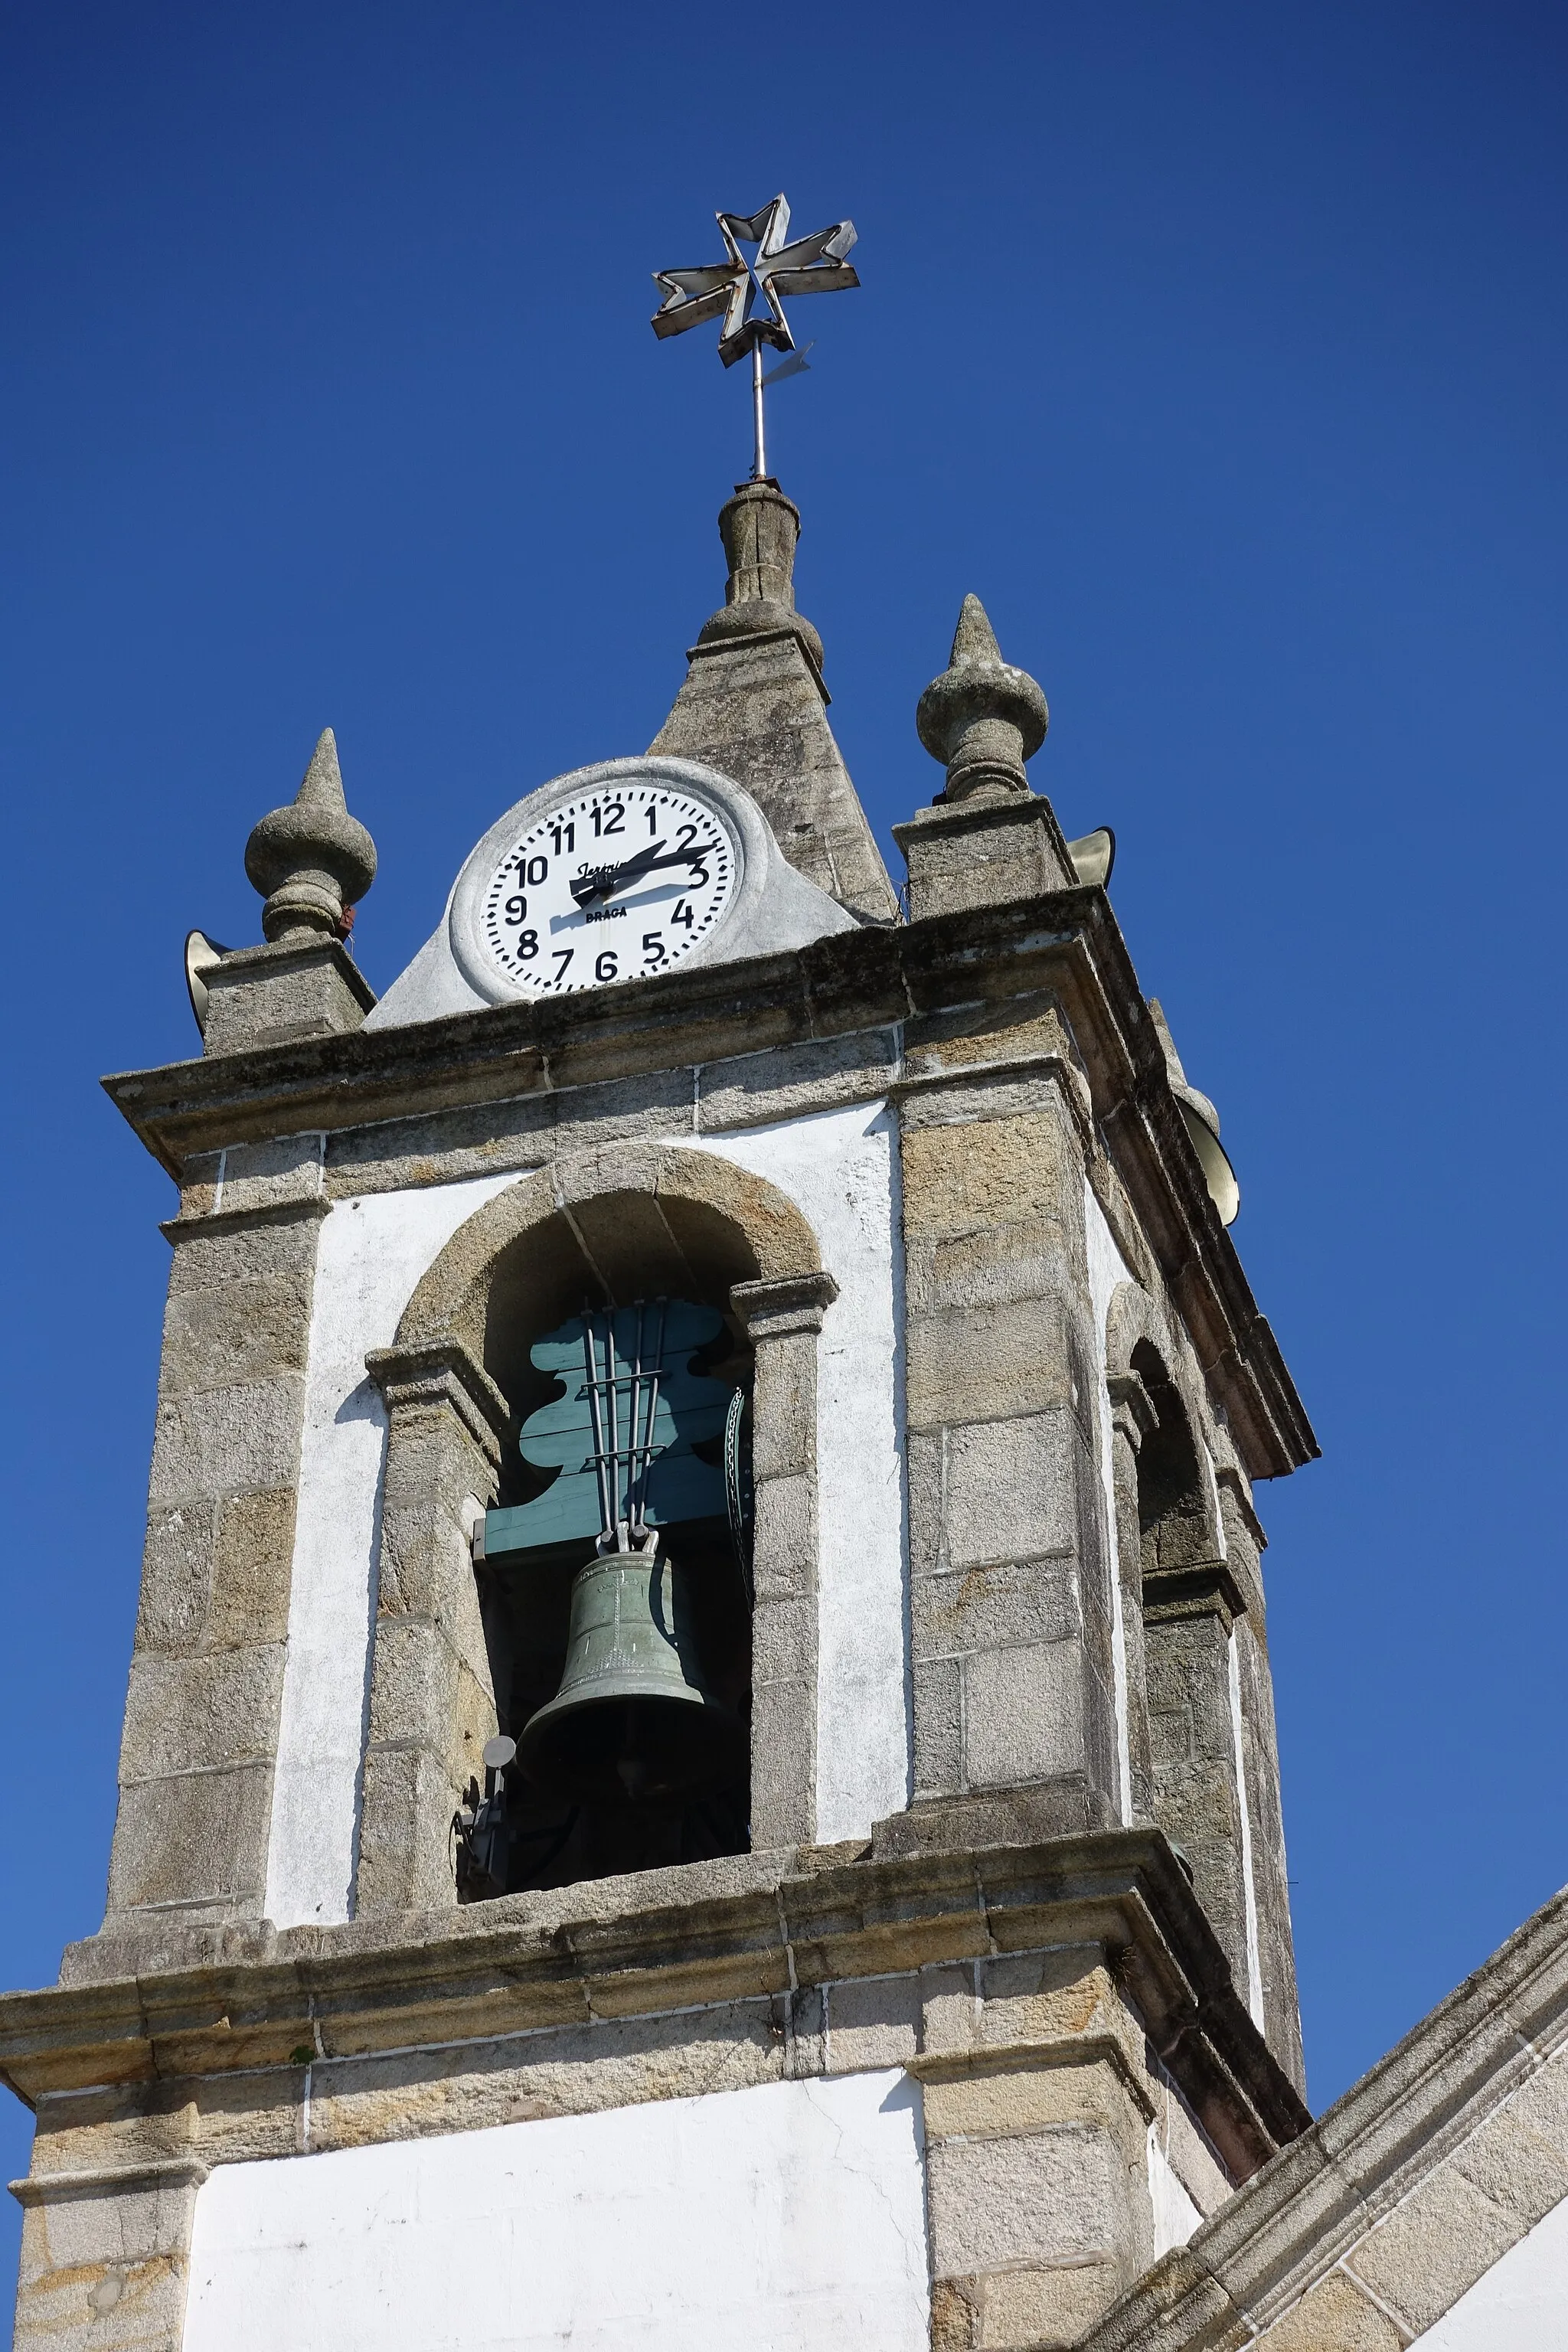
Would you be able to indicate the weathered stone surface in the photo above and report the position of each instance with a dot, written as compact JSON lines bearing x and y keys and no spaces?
{"x":272,"y":995}
{"x":996,"y":1172}
{"x":1055,"y":2194}
{"x":1008,"y":1491}
{"x":252,"y":1551}
{"x":578,"y":2070}
{"x":1046,"y":2306}
{"x":183,"y":1714}
{"x":938,"y":1708}
{"x":784,"y":1759}
{"x":199,"y":1839}
{"x":874,"y":2021}
{"x":245,"y":1330}
{"x":219,"y":1440}
{"x":1022,"y":1714}
{"x":1436,"y":2243}
{"x":210,"y":1252}
{"x":796,"y":1081}
{"x":988,"y":1608}
{"x":104,"y":2269}
{"x":985,"y":852}
{"x":1335,"y":2318}
{"x":987,"y":1362}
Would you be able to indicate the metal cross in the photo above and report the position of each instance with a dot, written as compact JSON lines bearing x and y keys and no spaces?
{"x":749,"y":296}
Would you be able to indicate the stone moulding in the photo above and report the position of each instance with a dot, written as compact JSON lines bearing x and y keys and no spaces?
{"x":1067,"y":943}
{"x":1295,"y":2241}
{"x":767,"y":1925}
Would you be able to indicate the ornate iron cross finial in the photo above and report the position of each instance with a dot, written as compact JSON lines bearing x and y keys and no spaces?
{"x":750,"y":296}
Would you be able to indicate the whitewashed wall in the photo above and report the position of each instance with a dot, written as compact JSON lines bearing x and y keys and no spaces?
{"x":1108,"y":1269}
{"x":790,"y":2217}
{"x":839,"y":1169}
{"x":371,"y":1253}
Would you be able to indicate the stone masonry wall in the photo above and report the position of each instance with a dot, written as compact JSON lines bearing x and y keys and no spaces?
{"x":207,"y":1673}
{"x":1010,"y":1600}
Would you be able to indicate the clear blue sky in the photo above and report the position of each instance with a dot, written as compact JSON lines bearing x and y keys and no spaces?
{"x":1222,"y":350}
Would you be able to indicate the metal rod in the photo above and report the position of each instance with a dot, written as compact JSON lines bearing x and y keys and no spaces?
{"x":614,"y":1424}
{"x":607,"y":1517}
{"x":759,"y":461}
{"x":633,"y":1465}
{"x":654,"y":1376}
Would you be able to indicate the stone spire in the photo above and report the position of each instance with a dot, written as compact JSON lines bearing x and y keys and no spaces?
{"x":312,"y":859}
{"x":755,"y":706}
{"x":981,"y":717}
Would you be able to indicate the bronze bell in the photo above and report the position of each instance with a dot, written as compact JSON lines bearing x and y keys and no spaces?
{"x":631,"y":1720}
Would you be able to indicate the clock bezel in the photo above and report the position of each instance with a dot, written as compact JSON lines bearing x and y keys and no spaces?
{"x":733,"y":808}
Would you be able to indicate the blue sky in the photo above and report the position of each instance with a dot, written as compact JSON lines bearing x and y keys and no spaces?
{"x":1221,"y":350}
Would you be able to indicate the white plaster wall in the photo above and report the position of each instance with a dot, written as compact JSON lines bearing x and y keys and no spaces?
{"x":1244,"y":1805}
{"x":1107,"y":1270}
{"x":372,"y":1255}
{"x":840,"y":1169}
{"x":1175,"y":2215}
{"x":1521,"y":2304}
{"x":790,"y":2217}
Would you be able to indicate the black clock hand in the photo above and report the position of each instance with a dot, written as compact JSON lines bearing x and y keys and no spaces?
{"x":603,"y":879}
{"x":607,"y":881}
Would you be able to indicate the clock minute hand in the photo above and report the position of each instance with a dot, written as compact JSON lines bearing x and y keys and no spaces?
{"x":604,"y":885}
{"x":607,"y":878}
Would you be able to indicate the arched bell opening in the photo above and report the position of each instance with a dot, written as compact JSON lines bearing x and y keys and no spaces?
{"x":1190,"y":1602}
{"x":614,"y":1571}
{"x":1172,"y":1514}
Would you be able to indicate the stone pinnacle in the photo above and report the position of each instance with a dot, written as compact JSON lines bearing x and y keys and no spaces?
{"x":760,"y":529}
{"x":312,"y":859}
{"x":981,"y":717}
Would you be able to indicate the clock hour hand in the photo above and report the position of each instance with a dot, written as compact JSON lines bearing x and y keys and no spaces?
{"x":601,"y":880}
{"x":605,"y":881}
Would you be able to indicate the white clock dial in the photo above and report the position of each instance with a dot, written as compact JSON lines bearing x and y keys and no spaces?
{"x":617,"y":884}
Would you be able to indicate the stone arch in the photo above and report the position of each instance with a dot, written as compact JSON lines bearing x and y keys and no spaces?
{"x":1138,"y":1346}
{"x":607,"y":1224}
{"x":1181,"y":1604}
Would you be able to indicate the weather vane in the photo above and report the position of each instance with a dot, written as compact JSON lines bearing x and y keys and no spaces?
{"x":750,"y":296}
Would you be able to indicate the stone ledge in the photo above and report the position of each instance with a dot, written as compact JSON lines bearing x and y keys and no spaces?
{"x":759,"y":1926}
{"x":110,"y":2181}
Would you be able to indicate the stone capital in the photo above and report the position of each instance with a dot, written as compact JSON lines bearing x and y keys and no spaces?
{"x":1202,"y":1587}
{"x":774,"y":1310}
{"x":442,"y":1373}
{"x":1132,"y":1413}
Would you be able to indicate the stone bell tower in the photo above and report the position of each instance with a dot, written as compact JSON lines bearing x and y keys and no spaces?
{"x":700,"y":1764}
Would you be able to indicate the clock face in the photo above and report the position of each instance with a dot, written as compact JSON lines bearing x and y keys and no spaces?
{"x":617,"y":884}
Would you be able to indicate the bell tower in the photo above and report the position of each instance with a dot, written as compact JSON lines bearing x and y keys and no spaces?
{"x":700,"y":1761}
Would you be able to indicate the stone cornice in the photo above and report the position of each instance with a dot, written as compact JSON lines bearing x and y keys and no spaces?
{"x":879,"y":977}
{"x":761,"y":1924}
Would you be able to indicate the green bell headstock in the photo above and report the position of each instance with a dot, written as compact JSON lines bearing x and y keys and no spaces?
{"x":621,"y":1432}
